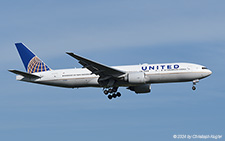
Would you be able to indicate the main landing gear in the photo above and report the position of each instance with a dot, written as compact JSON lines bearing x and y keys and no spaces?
{"x":112,"y":92}
{"x":194,"y":83}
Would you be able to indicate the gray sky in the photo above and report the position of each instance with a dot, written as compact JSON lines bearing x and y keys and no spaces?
{"x":113,"y":33}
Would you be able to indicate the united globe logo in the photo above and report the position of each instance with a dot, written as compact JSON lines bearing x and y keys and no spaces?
{"x":36,"y":65}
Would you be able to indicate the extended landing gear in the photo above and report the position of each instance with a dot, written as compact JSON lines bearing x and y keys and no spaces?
{"x":106,"y":92}
{"x":112,"y":93}
{"x":194,"y":83}
{"x":193,"y":88}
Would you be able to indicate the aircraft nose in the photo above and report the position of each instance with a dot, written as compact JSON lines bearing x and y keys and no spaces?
{"x":208,"y":72}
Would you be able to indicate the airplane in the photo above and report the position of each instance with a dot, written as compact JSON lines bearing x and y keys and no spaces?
{"x":137,"y":78}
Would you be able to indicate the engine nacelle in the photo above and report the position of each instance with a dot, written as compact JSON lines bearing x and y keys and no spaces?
{"x":135,"y":77}
{"x":145,"y":88}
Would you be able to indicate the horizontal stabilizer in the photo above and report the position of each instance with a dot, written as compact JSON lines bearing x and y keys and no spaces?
{"x":25,"y":74}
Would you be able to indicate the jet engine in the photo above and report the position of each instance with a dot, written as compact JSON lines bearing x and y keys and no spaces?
{"x":145,"y":88}
{"x":135,"y":77}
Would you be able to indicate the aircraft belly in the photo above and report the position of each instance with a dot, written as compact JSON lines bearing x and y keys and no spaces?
{"x":71,"y":83}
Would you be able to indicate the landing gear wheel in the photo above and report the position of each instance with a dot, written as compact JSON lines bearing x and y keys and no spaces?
{"x":110,"y":96}
{"x":118,"y":94}
{"x":110,"y":90}
{"x":114,"y":95}
{"x":193,"y":88}
{"x":114,"y":89}
{"x":106,"y":92}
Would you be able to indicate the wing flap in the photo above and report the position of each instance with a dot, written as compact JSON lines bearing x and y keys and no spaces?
{"x":28,"y":75}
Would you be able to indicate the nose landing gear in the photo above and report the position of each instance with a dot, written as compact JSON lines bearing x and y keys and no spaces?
{"x":193,"y":88}
{"x":194,"y":83}
{"x":112,"y":92}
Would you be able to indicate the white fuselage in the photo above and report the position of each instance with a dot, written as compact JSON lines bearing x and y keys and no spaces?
{"x":153,"y":73}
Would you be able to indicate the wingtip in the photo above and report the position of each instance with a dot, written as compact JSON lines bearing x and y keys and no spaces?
{"x":10,"y":70}
{"x":70,"y":53}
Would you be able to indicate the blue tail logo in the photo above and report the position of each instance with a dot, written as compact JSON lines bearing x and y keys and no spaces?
{"x":31,"y":62}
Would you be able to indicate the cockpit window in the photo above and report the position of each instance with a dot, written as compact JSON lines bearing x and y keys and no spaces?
{"x":204,"y":68}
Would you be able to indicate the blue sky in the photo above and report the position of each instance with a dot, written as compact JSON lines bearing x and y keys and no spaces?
{"x":113,"y":33}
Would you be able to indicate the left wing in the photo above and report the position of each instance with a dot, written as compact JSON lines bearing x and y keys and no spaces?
{"x":103,"y":71}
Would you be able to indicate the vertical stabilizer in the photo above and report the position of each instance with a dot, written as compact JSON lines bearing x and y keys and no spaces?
{"x":31,"y":62}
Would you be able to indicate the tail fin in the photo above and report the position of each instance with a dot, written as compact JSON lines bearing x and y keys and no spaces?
{"x":31,"y":62}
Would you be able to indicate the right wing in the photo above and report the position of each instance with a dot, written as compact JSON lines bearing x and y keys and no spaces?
{"x":25,"y":74}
